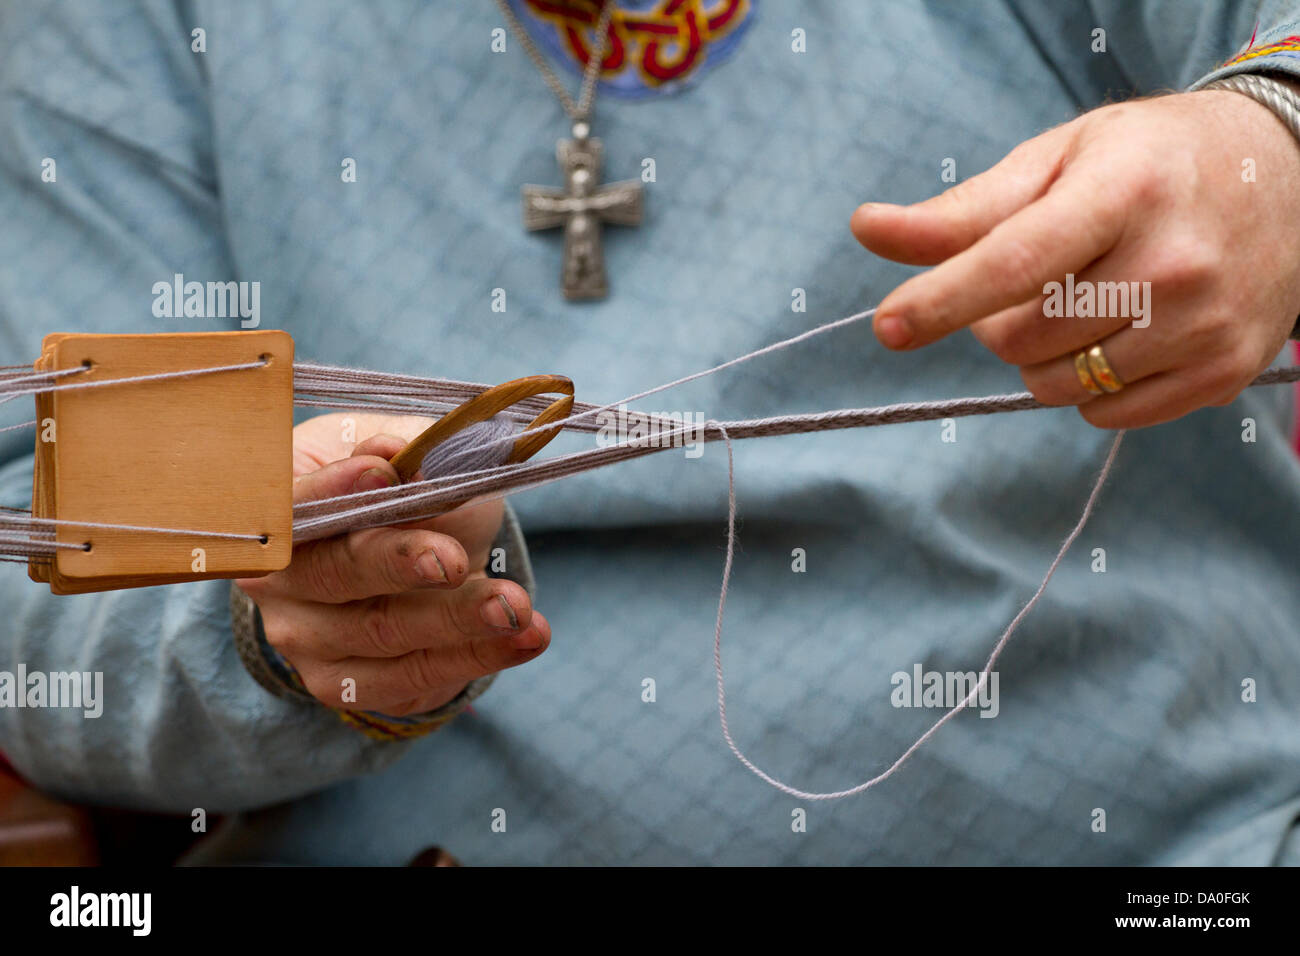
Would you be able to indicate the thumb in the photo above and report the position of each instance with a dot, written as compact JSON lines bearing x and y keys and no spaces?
{"x":383,"y":445}
{"x":929,"y":232}
{"x":346,"y":477}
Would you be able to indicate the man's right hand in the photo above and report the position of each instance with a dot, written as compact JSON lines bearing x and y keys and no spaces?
{"x":406,"y":612}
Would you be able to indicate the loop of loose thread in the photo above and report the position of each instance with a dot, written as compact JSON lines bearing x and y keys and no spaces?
{"x":951,"y":713}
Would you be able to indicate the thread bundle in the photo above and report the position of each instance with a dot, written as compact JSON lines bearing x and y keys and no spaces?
{"x":478,"y":447}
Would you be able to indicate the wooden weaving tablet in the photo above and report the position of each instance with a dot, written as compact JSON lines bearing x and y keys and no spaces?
{"x":207,"y":453}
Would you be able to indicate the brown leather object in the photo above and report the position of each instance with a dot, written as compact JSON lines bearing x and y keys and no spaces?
{"x":38,"y":831}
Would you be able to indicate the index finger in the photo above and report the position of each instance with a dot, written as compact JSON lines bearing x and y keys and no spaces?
{"x":1074,"y":224}
{"x":928,"y":232}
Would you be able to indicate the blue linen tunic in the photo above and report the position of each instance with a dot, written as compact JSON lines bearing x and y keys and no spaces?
{"x":1122,"y":692}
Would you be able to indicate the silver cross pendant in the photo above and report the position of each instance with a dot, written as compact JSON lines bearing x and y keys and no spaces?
{"x":581,"y":206}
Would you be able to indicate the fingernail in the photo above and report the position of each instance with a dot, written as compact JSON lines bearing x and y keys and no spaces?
{"x":529,"y":640}
{"x":371,"y":480}
{"x":893,"y":331}
{"x":430,"y":568}
{"x":498,"y":612}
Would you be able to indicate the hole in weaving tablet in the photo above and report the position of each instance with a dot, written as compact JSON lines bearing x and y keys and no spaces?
{"x":87,"y":364}
{"x":86,"y":547}
{"x":264,"y":540}
{"x":265,"y":358}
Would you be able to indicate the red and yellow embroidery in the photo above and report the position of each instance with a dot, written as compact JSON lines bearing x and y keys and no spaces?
{"x":665,"y":43}
{"x":1289,"y":44}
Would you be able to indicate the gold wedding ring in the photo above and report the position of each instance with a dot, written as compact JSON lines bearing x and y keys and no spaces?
{"x":1102,"y":373}
{"x":1095,"y":373}
{"x":1085,"y":376}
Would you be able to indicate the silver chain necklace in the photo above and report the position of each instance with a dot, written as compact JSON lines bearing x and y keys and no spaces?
{"x":583,"y":204}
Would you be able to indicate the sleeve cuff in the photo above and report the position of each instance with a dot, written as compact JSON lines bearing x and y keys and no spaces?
{"x":1276,"y":50}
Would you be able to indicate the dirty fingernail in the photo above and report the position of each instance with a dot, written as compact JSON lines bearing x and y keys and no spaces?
{"x":430,"y":568}
{"x":529,"y":640}
{"x":498,"y":612}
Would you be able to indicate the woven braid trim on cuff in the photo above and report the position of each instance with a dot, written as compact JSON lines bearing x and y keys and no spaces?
{"x":383,"y":727}
{"x":251,"y":644}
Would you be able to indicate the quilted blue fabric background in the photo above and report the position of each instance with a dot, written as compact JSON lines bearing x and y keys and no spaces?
{"x":1121,"y":692}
